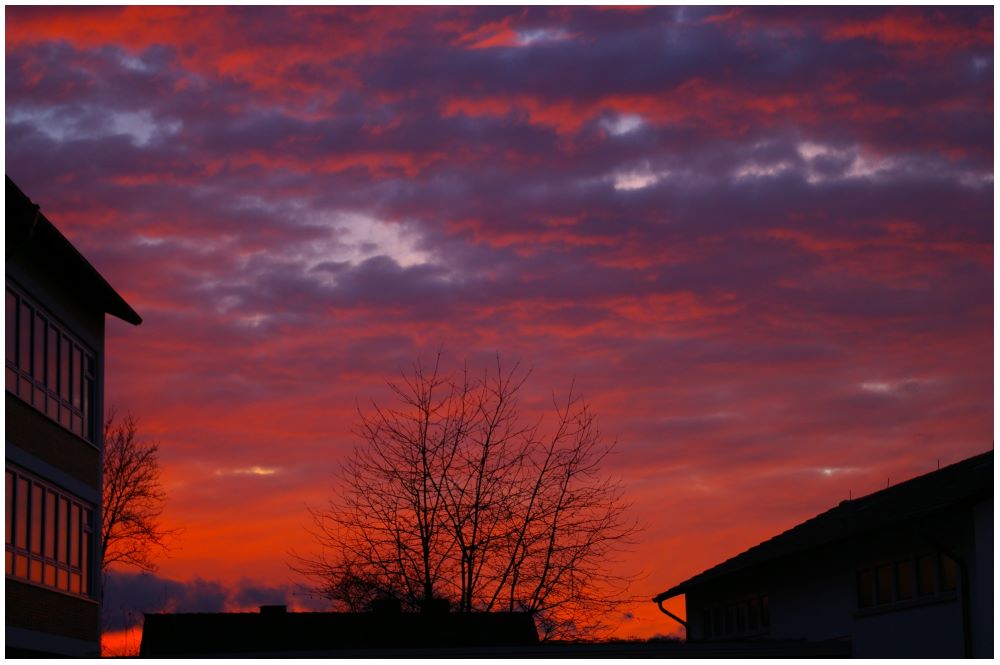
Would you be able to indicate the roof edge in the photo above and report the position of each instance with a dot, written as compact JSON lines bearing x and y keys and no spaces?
{"x":114,"y":304}
{"x":684,"y":586}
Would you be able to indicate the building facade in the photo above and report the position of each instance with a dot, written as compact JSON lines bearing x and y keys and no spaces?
{"x":56,"y":303}
{"x":906,"y":572}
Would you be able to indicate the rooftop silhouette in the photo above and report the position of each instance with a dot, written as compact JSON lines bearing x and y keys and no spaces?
{"x":274,"y":630}
{"x":914,"y":498}
{"x":904,"y":572}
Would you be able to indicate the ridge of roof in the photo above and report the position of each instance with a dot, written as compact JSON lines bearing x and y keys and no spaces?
{"x":952,"y":484}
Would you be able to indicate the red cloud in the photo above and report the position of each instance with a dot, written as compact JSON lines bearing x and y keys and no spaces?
{"x":912,"y":26}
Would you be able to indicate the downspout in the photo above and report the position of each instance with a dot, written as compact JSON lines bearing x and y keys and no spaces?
{"x":963,"y":577}
{"x":659,"y":603}
{"x":966,"y":607}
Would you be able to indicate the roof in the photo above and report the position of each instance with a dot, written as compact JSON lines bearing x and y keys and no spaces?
{"x":28,"y":231}
{"x":275,"y":631}
{"x":957,"y":484}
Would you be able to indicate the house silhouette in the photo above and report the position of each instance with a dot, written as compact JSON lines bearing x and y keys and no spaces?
{"x":903,"y":572}
{"x":274,"y":631}
{"x":56,"y":306}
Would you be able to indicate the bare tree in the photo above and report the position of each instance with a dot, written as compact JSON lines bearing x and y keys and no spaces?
{"x":133,"y":497}
{"x":455,"y":495}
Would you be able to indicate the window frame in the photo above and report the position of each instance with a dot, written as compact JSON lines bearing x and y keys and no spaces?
{"x":49,"y":564}
{"x":51,"y":391}
{"x":734,"y":619}
{"x":913,"y":567}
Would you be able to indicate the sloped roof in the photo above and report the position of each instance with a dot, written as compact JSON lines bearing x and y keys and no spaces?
{"x":29,"y":231}
{"x":965,"y":481}
{"x":276,"y":632}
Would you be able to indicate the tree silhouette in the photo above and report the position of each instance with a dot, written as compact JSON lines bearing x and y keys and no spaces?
{"x":132,"y":498}
{"x":455,"y":495}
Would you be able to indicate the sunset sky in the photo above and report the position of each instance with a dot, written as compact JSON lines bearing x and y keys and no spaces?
{"x":760,"y":240}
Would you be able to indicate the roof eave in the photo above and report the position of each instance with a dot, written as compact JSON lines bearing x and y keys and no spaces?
{"x":670,"y":593}
{"x":111,"y":301}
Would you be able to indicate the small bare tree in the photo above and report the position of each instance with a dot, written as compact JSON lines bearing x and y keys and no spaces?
{"x":132,"y":498}
{"x":455,"y":495}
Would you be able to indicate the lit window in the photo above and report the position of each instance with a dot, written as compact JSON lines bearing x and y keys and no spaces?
{"x":49,"y":535}
{"x":10,"y":505}
{"x":21,"y":514}
{"x":49,"y":368}
{"x":926,"y":576}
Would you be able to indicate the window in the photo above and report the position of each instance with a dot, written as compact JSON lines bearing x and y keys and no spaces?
{"x":49,"y":535}
{"x":949,"y":573}
{"x":754,"y":614}
{"x":904,"y":580}
{"x":739,"y":619}
{"x":11,"y":324}
{"x":866,"y":585}
{"x":49,"y":368}
{"x":883,"y":585}
{"x":923,"y":577}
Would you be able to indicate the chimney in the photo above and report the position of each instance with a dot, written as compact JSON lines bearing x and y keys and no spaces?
{"x":273,"y":610}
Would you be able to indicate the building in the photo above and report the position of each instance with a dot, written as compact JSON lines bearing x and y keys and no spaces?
{"x":904,"y":572}
{"x":275,"y":632}
{"x":56,"y":302}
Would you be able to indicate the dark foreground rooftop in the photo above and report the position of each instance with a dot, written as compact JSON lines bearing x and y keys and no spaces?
{"x":652,"y":649}
{"x":963,"y":483}
{"x":275,"y":632}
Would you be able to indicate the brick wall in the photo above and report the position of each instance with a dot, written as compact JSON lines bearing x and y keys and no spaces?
{"x":52,"y":612}
{"x":33,"y":432}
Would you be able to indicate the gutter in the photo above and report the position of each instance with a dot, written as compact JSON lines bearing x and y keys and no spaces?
{"x":659,"y":603}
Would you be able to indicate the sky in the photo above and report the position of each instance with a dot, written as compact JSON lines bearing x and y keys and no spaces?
{"x":759,"y":240}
